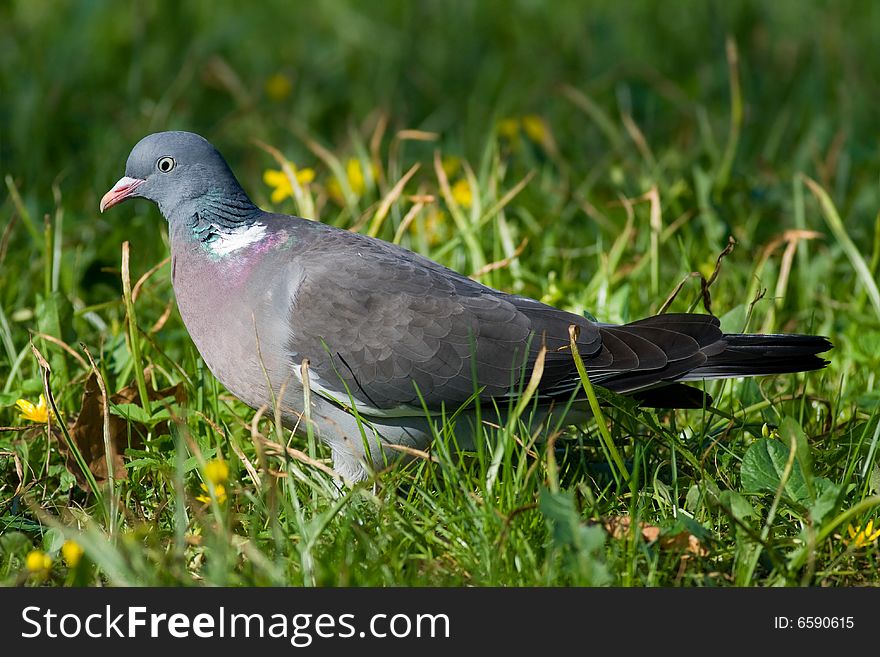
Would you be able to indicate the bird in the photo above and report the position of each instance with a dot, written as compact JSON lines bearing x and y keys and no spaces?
{"x":383,"y":342}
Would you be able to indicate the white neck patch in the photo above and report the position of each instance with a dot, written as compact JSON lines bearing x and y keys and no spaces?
{"x":226,"y":243}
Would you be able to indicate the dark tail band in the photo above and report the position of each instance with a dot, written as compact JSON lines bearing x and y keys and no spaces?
{"x":761,"y":354}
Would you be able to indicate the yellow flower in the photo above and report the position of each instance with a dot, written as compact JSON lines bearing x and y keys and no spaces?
{"x":434,"y":226}
{"x":282,"y":187}
{"x":38,"y":412}
{"x":450,"y":165}
{"x":461,"y":192}
{"x":862,"y":537}
{"x":534,"y":126}
{"x":334,"y":189}
{"x":278,"y":87}
{"x":354,"y":174}
{"x":219,"y":492}
{"x":72,"y":552}
{"x":38,"y":563}
{"x":509,"y":128}
{"x":216,"y":472}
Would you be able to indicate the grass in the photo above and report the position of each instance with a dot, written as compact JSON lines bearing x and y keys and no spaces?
{"x":593,"y":160}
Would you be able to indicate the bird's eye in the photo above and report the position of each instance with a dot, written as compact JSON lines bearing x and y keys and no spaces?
{"x":165,"y":164}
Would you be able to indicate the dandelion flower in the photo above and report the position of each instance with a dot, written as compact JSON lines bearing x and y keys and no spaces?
{"x":38,"y":563}
{"x":278,"y":87}
{"x":219,"y":493}
{"x":508,"y":128}
{"x":38,"y":412}
{"x":354,"y":175}
{"x":282,"y":187}
{"x":450,"y":165}
{"x":461,"y":192}
{"x":863,"y":537}
{"x":216,"y":472}
{"x":72,"y":552}
{"x":535,"y":128}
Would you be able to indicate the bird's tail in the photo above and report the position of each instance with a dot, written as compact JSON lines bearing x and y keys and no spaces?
{"x":694,"y":348}
{"x":751,"y":354}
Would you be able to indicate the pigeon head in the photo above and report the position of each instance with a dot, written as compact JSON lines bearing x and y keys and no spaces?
{"x":181,"y":172}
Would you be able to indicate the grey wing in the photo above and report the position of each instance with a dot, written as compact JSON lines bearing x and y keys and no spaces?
{"x":389,"y":330}
{"x":386,"y":329}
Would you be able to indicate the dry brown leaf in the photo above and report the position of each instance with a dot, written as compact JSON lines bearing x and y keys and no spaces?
{"x":619,"y":527}
{"x":88,"y":430}
{"x":649,"y":532}
{"x":684,"y":542}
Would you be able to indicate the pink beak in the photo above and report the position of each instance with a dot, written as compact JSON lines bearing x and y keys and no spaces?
{"x":121,"y":191}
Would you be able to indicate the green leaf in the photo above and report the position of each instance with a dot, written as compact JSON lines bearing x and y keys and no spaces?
{"x":684,"y":523}
{"x":31,"y":387}
{"x":131,"y":412}
{"x":791,"y":429}
{"x":120,"y":356}
{"x":136,"y":413}
{"x":581,"y":544}
{"x":9,"y":398}
{"x":192,"y":462}
{"x":53,"y":539}
{"x":764,"y":464}
{"x":12,"y":542}
{"x":762,"y":469}
{"x":141,"y":463}
{"x":66,"y":480}
{"x":874,"y":481}
{"x":561,"y":514}
{"x":738,"y":506}
{"x":693,"y":498}
{"x":825,"y":504}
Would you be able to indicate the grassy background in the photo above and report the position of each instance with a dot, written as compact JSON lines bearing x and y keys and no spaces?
{"x":750,"y":119}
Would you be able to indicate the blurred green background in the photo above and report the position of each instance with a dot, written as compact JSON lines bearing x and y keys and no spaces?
{"x":83,"y":81}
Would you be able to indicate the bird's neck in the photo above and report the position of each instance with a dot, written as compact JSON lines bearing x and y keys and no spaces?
{"x":220,"y":224}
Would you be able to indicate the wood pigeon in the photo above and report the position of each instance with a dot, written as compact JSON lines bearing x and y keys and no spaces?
{"x":394,"y":340}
